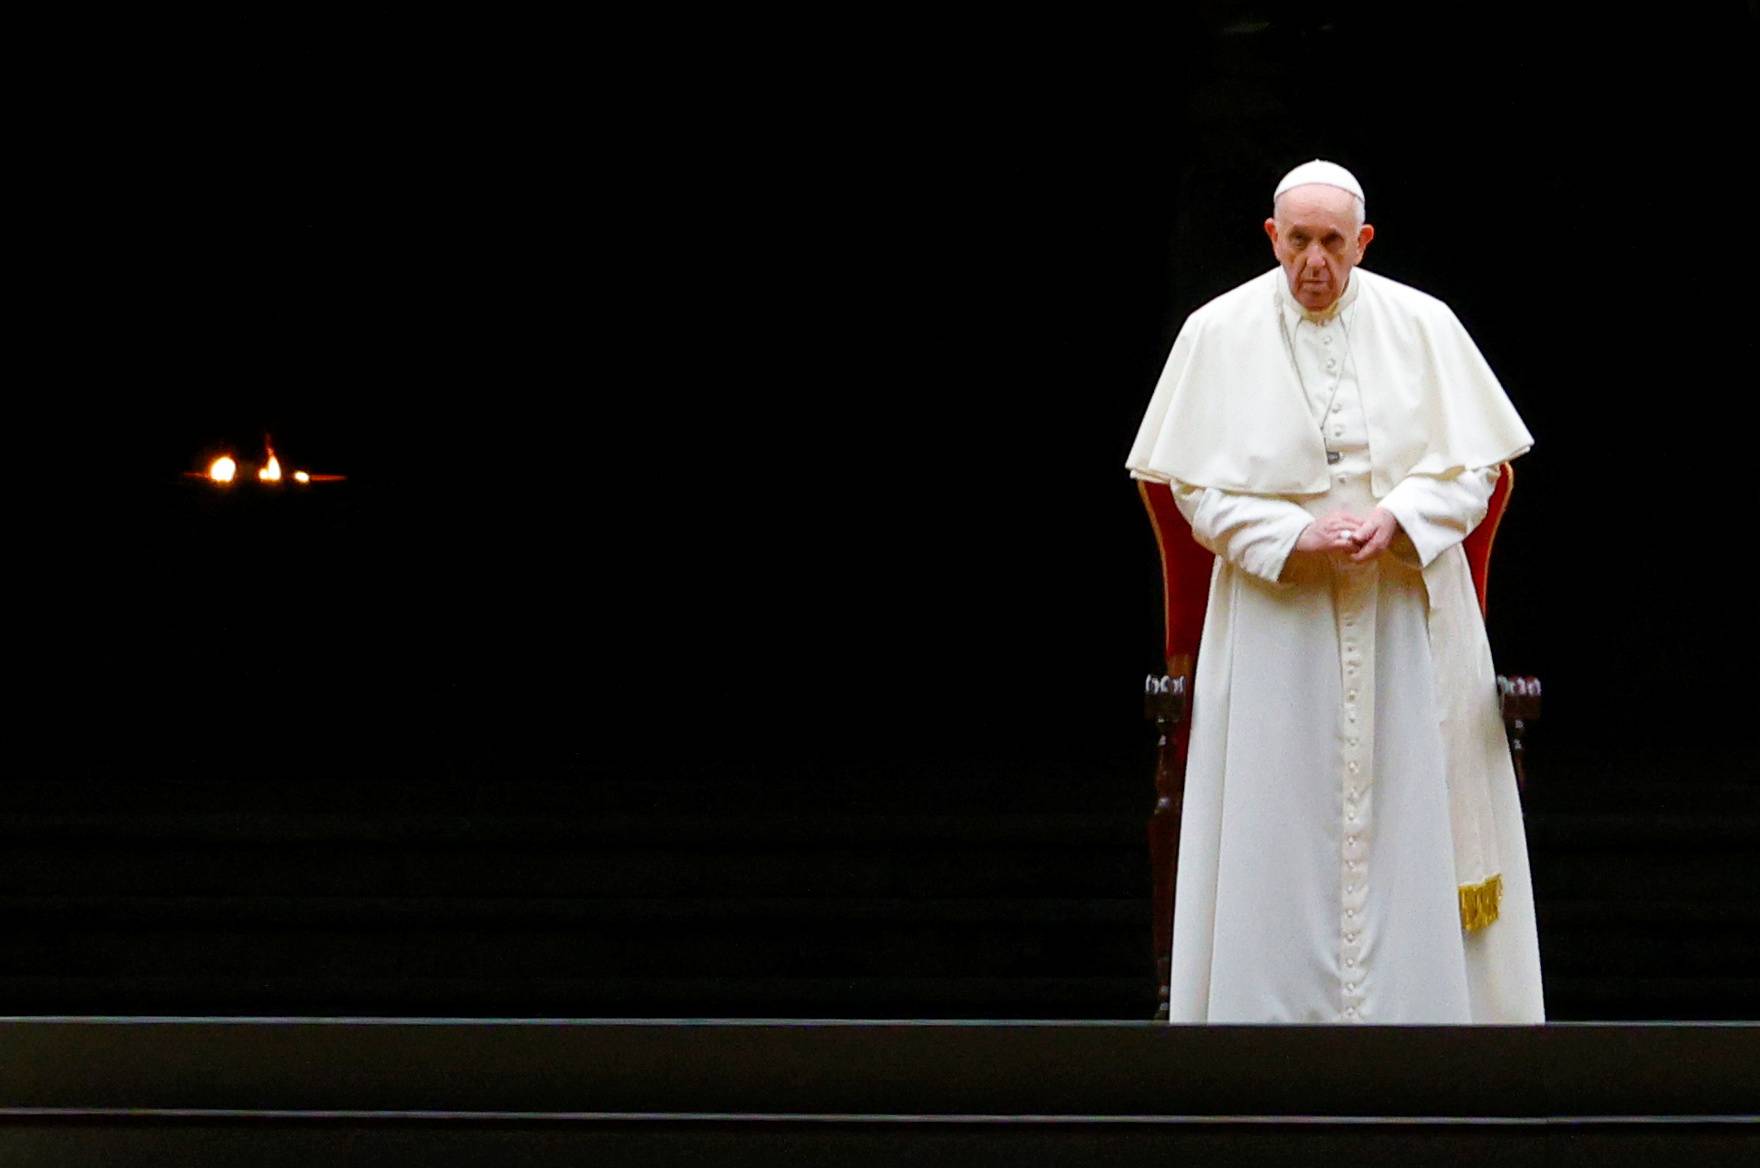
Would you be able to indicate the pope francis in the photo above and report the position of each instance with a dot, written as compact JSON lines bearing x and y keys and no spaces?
{"x":1351,"y":845}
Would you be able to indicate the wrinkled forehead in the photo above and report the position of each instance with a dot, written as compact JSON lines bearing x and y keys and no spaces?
{"x":1317,"y":205}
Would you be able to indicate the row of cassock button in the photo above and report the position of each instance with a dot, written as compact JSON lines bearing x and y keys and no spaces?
{"x":1352,"y":588}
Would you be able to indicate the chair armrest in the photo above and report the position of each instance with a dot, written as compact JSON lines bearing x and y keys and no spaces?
{"x":1520,"y":697}
{"x":1167,"y":699}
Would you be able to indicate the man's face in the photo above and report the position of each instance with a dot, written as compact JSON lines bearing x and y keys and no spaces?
{"x":1317,"y":242}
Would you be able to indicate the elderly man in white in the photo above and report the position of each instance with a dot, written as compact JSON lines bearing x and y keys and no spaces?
{"x":1351,"y":845}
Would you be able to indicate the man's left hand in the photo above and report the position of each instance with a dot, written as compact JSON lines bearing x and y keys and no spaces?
{"x":1375,"y":534}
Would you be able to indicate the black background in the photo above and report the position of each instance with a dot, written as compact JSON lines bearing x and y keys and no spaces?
{"x":756,"y":393}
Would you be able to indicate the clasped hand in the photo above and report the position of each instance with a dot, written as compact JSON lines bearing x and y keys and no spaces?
{"x":1344,"y":534}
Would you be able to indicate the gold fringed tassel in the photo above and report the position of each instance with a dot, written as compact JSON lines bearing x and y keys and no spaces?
{"x":1479,"y":903}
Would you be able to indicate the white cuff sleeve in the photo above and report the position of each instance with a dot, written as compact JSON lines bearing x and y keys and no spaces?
{"x":1255,"y":533}
{"x":1436,"y":513}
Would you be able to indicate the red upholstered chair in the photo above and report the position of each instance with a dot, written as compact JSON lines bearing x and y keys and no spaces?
{"x":1185,"y":578}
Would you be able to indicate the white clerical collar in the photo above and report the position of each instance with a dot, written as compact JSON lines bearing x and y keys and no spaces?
{"x":1297,"y":312}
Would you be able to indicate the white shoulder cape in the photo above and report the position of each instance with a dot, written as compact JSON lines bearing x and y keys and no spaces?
{"x":1230,"y":413}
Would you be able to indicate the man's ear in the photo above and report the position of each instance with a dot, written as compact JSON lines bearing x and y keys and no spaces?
{"x":1271,"y":230}
{"x":1364,"y":234}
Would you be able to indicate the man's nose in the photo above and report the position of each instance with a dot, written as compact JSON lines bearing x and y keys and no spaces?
{"x":1314,"y":258}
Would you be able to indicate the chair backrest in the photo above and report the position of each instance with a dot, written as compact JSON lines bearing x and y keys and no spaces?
{"x":1479,"y":540}
{"x":1186,"y":566}
{"x":1185,"y":570}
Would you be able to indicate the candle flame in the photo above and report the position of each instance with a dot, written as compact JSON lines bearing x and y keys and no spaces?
{"x":225,"y":469}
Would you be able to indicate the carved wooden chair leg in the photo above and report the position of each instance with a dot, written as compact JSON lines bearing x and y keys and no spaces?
{"x":1520,"y":697}
{"x":1167,"y":704}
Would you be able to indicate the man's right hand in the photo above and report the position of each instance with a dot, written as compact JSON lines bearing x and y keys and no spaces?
{"x":1336,"y":532}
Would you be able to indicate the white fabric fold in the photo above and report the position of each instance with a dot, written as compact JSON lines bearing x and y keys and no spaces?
{"x":1230,"y":412}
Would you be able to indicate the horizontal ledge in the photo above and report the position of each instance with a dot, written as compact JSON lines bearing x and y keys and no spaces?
{"x":804,"y":1069}
{"x":874,"y":1118}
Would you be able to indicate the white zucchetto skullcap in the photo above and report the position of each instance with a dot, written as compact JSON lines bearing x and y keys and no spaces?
{"x":1325,"y":173}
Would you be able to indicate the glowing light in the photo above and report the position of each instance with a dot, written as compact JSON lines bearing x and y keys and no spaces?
{"x":225,"y":470}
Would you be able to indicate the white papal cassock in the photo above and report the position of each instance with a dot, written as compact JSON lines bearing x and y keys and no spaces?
{"x":1334,"y":704}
